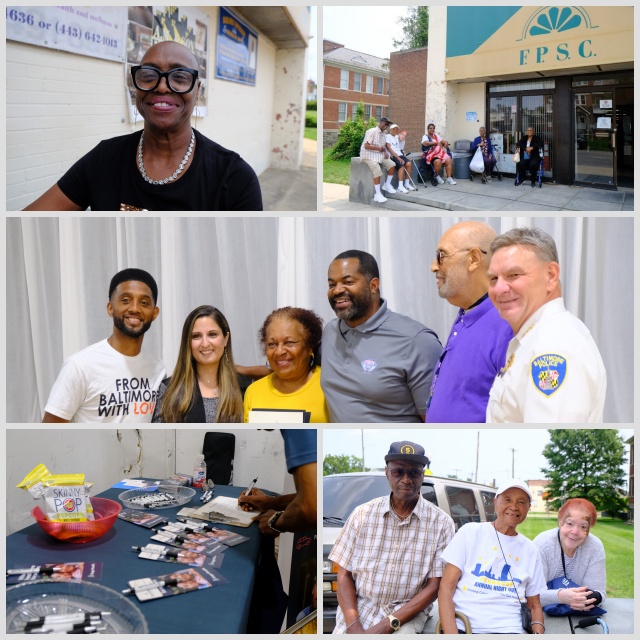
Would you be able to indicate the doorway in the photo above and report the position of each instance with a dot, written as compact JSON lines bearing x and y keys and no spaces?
{"x":511,"y":114}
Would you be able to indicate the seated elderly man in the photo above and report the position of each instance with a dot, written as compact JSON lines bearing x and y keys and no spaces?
{"x":395,"y":146}
{"x":389,"y":553}
{"x":373,"y":153}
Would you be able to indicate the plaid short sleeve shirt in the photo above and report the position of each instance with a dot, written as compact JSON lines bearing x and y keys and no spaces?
{"x":375,"y":137}
{"x":390,"y":559}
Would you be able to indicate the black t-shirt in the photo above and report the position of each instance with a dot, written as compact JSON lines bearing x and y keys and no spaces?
{"x":108,"y":176}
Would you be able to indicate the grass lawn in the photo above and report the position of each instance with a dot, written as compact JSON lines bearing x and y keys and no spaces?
{"x":617,"y":538}
{"x":311,"y":133}
{"x":335,"y":171}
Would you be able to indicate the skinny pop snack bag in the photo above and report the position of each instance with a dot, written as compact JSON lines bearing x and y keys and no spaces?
{"x":66,"y":498}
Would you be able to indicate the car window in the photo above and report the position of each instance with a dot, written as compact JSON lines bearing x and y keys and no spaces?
{"x":342,"y":494}
{"x":487,"y":502}
{"x":429,"y":493}
{"x":462,"y":506}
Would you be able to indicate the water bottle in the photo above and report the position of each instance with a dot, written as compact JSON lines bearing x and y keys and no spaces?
{"x":199,"y":471}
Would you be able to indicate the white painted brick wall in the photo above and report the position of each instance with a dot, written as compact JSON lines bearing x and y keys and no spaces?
{"x":59,"y":105}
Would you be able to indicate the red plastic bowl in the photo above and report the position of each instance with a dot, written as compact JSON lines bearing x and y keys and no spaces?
{"x":105,"y":511}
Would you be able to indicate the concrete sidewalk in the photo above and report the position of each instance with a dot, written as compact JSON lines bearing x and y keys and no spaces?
{"x":293,"y":190}
{"x":493,"y":196}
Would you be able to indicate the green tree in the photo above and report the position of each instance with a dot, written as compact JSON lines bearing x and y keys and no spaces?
{"x":351,"y":135}
{"x":415,"y":26}
{"x":340,"y":464}
{"x":586,"y":463}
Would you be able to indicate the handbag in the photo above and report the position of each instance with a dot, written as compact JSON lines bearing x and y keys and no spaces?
{"x":516,"y":156}
{"x":561,"y":609}
{"x":477,"y":162}
{"x":525,"y":612}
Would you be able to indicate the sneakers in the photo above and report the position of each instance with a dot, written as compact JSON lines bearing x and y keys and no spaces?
{"x":440,"y":180}
{"x":388,"y":188}
{"x":409,"y":187}
{"x":451,"y":181}
{"x":378,"y":197}
{"x":401,"y":189}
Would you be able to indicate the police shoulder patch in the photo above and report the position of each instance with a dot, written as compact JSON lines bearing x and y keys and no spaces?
{"x":548,"y":372}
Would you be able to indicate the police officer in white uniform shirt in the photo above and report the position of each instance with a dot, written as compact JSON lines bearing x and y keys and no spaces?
{"x":553,"y":370}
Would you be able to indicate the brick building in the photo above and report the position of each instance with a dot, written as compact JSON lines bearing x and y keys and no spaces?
{"x":407,"y":100}
{"x":350,"y":77}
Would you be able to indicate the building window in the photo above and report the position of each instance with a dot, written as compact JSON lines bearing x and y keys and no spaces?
{"x":344,"y":79}
{"x":367,"y":111}
{"x":380,"y":86}
{"x":378,"y":113}
{"x":354,"y":109}
{"x":342,"y":111}
{"x":357,"y":81}
{"x":369,"y":84}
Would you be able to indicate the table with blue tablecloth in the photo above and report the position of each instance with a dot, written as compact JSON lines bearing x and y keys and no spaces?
{"x":220,"y":609}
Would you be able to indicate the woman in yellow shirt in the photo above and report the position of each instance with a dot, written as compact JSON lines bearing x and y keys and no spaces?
{"x":290,"y":337}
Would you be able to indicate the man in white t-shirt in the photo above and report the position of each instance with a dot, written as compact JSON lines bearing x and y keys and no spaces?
{"x":395,"y":146}
{"x":112,"y":380}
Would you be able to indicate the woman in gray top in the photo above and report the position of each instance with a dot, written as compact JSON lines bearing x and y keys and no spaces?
{"x":572,"y":552}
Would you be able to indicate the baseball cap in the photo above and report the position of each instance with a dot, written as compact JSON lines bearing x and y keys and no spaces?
{"x":518,"y":484}
{"x":406,"y":450}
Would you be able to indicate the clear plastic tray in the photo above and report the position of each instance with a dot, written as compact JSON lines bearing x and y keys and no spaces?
{"x":134,"y":498}
{"x":26,"y":602}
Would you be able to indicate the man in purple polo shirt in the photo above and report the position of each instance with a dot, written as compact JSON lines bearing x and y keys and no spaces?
{"x":477,"y":344}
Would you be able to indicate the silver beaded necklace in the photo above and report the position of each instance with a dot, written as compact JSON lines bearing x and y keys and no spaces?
{"x":176,"y":173}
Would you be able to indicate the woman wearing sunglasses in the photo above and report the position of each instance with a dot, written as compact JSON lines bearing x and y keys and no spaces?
{"x":168,"y":166}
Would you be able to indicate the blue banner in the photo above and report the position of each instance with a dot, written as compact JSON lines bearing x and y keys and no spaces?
{"x":236,"y":50}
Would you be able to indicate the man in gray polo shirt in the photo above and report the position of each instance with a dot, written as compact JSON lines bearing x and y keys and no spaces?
{"x":376,"y":364}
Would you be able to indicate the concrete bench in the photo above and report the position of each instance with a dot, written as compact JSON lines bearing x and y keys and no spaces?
{"x":361,"y":179}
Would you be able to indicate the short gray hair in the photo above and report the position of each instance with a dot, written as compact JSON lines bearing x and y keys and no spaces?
{"x":538,"y":240}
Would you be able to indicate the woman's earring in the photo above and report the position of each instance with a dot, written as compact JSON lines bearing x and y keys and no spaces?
{"x":226,"y":355}
{"x":196,"y":113}
{"x":135,"y":115}
{"x":312,"y":360}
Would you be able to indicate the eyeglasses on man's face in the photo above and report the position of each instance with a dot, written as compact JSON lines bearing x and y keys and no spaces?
{"x":440,"y":255}
{"x":180,"y":80}
{"x":399,"y":472}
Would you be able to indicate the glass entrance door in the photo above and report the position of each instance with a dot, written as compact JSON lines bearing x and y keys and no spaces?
{"x":509,"y":118}
{"x":595,"y":127}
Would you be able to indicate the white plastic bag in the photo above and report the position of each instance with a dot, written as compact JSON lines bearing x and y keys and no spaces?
{"x":477,"y":163}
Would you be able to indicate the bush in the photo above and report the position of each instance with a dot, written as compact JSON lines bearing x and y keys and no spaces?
{"x":312,"y":105}
{"x":311,"y":119}
{"x":351,"y":135}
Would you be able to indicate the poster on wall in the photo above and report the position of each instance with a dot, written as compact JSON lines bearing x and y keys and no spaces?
{"x":98,"y":32}
{"x":236,"y":50}
{"x":149,"y":25}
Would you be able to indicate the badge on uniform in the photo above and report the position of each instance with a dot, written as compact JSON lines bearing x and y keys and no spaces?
{"x":368,"y":365}
{"x":548,"y":372}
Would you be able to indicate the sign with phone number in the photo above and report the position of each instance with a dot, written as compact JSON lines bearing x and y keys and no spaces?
{"x":98,"y":32}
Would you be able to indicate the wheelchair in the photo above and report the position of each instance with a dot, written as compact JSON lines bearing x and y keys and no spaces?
{"x":487,"y":177}
{"x":539,"y":175}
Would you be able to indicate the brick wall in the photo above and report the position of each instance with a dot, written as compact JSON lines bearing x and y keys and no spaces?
{"x":408,"y":73}
{"x":333,"y":95}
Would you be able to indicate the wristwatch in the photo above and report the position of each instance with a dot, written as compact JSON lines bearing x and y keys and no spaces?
{"x":272,"y":521}
{"x":394,"y":622}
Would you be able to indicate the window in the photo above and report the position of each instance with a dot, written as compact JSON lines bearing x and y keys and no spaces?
{"x":354,"y":108}
{"x":367,"y":111}
{"x":380,"y":86}
{"x":342,"y":111}
{"x":378,"y":113}
{"x":487,"y":502}
{"x":357,"y":81}
{"x":462,"y":506}
{"x":344,"y":79}
{"x":429,"y":493}
{"x":369,"y":84}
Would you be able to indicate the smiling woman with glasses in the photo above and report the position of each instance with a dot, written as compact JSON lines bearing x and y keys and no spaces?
{"x":168,"y":166}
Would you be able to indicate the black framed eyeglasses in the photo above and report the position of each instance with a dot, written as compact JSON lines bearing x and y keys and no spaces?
{"x":179,"y":80}
{"x":440,"y":255}
{"x":399,"y":472}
